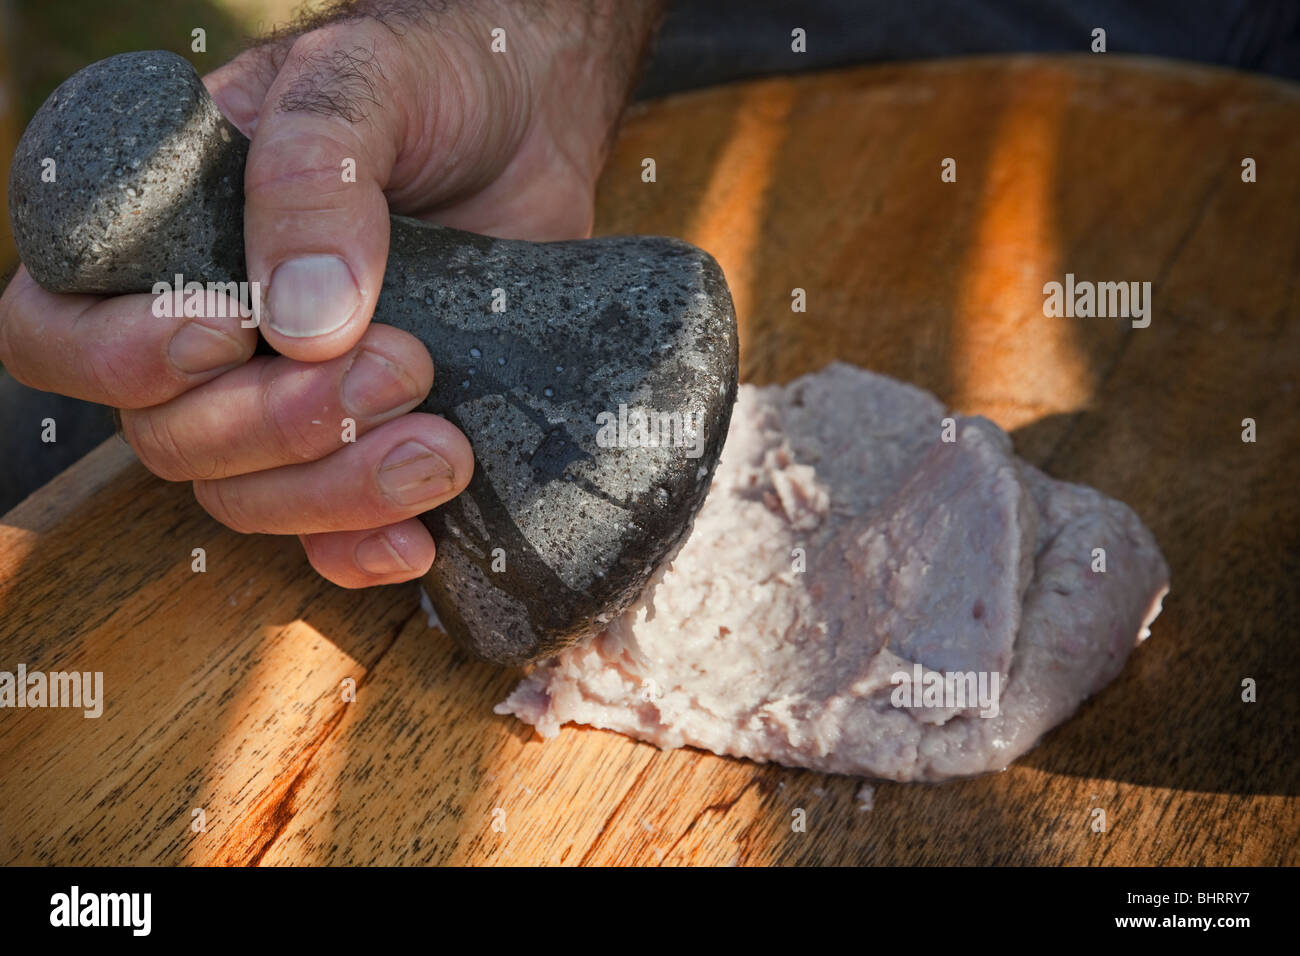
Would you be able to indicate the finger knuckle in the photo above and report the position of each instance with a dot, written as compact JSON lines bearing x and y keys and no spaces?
{"x":307,"y":171}
{"x":223,"y":501}
{"x":123,"y":380}
{"x":327,"y":566}
{"x":14,"y":344}
{"x":156,"y":444}
{"x":296,"y":441}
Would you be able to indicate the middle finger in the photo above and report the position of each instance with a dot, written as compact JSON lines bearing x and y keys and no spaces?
{"x":276,"y":411}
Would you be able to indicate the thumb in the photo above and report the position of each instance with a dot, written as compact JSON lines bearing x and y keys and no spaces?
{"x":316,"y":226}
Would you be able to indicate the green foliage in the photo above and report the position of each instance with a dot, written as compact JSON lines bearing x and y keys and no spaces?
{"x":55,"y":38}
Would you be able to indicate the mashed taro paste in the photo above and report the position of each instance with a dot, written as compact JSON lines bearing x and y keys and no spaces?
{"x":845,"y":546}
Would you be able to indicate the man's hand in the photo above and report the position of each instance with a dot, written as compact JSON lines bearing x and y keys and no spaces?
{"x":437,"y":124}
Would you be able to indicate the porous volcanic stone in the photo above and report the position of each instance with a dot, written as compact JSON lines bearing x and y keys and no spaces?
{"x":149,"y":183}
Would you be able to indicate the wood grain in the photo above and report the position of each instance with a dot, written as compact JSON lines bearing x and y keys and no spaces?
{"x":223,"y":688}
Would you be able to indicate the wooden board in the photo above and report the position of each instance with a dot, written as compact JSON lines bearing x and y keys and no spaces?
{"x":224,"y":688}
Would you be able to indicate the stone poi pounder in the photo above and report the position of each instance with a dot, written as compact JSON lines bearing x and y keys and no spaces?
{"x":147,"y":183}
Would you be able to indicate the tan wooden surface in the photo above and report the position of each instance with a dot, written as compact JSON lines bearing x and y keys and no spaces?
{"x":224,"y":688}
